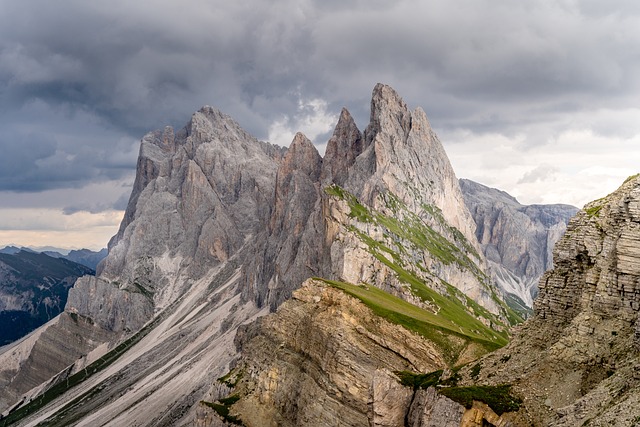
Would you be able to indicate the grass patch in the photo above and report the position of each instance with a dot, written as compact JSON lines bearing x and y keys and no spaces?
{"x":632,"y":177}
{"x":594,"y":210}
{"x":450,"y":307}
{"x":417,"y":381}
{"x":405,"y":233}
{"x":223,"y":411}
{"x":475,"y":371}
{"x":408,"y":226}
{"x":498,"y":398}
{"x":230,"y":400}
{"x":435,"y":327}
{"x":231,"y":378}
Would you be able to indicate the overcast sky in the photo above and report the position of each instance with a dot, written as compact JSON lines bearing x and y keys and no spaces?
{"x":537,"y":98}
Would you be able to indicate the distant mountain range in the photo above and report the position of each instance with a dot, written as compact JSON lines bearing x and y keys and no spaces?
{"x":86,"y":257}
{"x":33,"y":290}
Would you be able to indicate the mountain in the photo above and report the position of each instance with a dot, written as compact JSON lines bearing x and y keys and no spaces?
{"x":12,"y":250}
{"x":33,"y":290}
{"x":222,"y":229}
{"x":87,"y":257}
{"x":516,"y":239}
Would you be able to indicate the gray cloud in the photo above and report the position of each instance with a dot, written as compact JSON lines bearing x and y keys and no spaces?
{"x":541,"y":173}
{"x":81,"y":82}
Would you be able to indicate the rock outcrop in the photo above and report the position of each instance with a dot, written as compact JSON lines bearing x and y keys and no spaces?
{"x":324,"y":370}
{"x":516,"y":239}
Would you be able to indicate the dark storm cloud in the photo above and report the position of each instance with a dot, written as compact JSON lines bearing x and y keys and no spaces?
{"x":81,"y":82}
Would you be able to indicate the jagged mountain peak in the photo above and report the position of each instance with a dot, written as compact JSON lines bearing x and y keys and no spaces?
{"x":388,"y":111}
{"x":344,"y":146}
{"x":302,"y":155}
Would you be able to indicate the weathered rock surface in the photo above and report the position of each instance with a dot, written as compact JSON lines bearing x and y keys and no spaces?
{"x":517,"y":240}
{"x":324,"y":371}
{"x":200,"y":196}
{"x":430,"y":409}
{"x":575,"y":362}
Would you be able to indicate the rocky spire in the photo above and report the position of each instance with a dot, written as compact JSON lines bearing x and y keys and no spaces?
{"x":411,"y":162}
{"x":388,"y":112}
{"x":345,"y":145}
{"x":292,"y":248}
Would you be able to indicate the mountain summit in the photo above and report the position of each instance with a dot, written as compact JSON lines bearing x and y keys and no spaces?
{"x":222,"y":229}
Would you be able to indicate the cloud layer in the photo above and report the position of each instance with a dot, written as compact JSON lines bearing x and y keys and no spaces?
{"x":539,"y":84}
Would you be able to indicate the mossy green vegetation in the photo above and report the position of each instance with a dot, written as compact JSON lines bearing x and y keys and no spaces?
{"x":408,"y":226}
{"x":443,"y":329}
{"x":475,"y":371}
{"x":417,"y":381}
{"x":231,"y":378}
{"x":593,"y":210}
{"x":432,"y":379}
{"x":499,"y":397}
{"x":630,"y":178}
{"x":223,"y":407}
{"x":405,"y":234}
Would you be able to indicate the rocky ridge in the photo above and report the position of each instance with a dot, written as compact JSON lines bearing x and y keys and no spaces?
{"x":517,"y":240}
{"x":221,"y":228}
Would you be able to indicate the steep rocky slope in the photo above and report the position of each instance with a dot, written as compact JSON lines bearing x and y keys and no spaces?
{"x":221,"y":228}
{"x":33,"y":290}
{"x":201,"y":200}
{"x":517,"y":240}
{"x":575,"y":362}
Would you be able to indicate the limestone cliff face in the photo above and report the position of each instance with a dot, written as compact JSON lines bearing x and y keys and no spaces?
{"x":221,"y":228}
{"x":411,"y":162}
{"x":517,"y":240}
{"x":575,"y":362}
